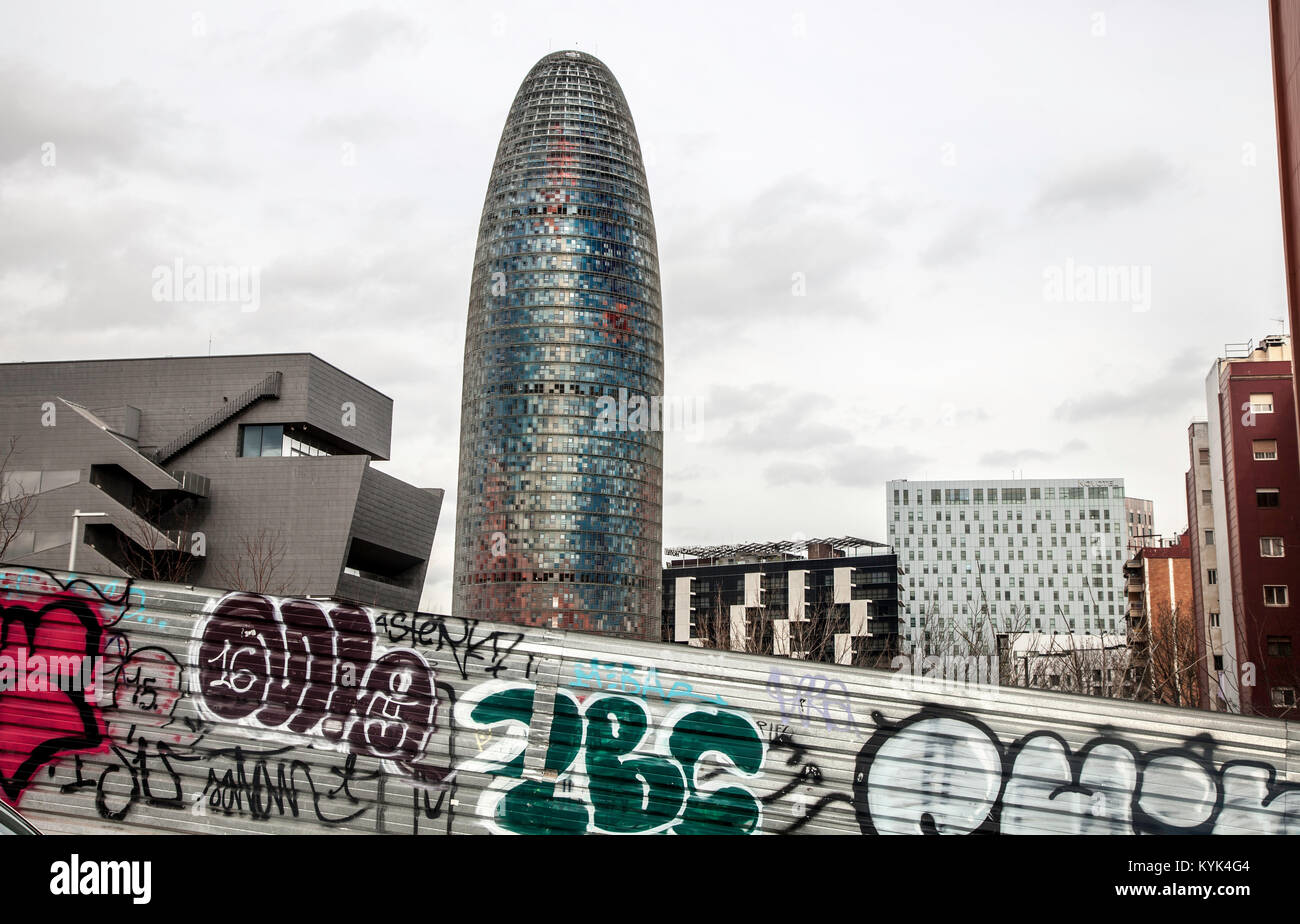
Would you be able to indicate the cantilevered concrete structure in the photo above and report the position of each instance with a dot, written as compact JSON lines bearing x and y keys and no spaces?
{"x":251,"y":472}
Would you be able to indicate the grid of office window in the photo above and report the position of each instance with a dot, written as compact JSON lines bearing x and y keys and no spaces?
{"x":1011,"y":556}
{"x":558,"y":517}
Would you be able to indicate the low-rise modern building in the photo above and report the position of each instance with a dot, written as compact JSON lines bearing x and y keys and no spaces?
{"x":1254,"y":485}
{"x":990,"y":558}
{"x":800,"y":598}
{"x":233,"y":471}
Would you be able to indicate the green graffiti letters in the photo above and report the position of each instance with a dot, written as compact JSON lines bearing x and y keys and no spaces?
{"x":730,"y":810}
{"x":607,"y":769}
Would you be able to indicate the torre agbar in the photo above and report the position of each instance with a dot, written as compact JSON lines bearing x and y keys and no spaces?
{"x":558,"y":510}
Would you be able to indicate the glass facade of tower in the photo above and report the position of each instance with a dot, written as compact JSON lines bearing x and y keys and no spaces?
{"x":558,"y":511}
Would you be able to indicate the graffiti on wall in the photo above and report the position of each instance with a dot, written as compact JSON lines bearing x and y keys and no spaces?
{"x":609,"y":767}
{"x":942,"y":772}
{"x":246,"y":712}
{"x":58,"y":621}
{"x":639,"y":680}
{"x":302,"y":668}
{"x":812,"y":699}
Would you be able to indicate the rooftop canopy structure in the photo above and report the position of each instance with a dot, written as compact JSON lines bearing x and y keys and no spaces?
{"x":775,"y":550}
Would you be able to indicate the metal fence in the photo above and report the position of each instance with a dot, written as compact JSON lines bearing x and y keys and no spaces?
{"x":205,"y":711}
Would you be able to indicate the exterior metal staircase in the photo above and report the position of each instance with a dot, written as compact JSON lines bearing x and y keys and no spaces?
{"x":269,"y":387}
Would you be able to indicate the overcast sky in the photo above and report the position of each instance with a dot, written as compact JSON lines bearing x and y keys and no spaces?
{"x":929,"y":168}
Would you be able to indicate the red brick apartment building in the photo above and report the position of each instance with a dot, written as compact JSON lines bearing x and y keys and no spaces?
{"x":1246,"y":543}
{"x":1167,"y":649}
{"x":1284,"y":22}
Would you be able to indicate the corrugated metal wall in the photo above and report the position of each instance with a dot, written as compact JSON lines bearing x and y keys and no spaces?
{"x":244,"y":713}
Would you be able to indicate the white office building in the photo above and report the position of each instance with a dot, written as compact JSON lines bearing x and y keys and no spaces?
{"x":1017,"y":556}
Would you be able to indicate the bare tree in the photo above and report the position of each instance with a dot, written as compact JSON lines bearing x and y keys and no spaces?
{"x":1095,"y":665}
{"x":816,"y":631}
{"x":156,"y":544}
{"x":810,"y":634}
{"x":17,"y":500}
{"x":256,"y":564}
{"x":1172,"y":669}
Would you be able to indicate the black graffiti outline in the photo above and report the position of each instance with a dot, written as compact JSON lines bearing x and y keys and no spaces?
{"x":885,"y":731}
{"x":809,"y":773}
{"x":118,"y":603}
{"x":1198,"y":750}
{"x":471,"y":648}
{"x":282,"y":789}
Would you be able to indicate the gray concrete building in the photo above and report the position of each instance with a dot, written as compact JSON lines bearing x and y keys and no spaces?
{"x":1219,"y":684}
{"x":251,"y":472}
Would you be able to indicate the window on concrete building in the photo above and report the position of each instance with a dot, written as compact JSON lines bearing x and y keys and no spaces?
{"x":1209,"y":537}
{"x":262,"y":440}
{"x":1218,"y":662}
{"x":1262,"y":403}
{"x":15,"y":484}
{"x":1204,"y":456}
{"x":1207,"y":496}
{"x":1265,"y":450}
{"x":1268,"y":497}
{"x":1283,"y":696}
{"x":1214,"y":620}
{"x":1271,"y":547}
{"x":1275,"y":595}
{"x":1212,"y":576}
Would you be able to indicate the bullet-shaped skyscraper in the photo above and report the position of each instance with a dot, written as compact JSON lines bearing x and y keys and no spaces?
{"x":559,"y":505}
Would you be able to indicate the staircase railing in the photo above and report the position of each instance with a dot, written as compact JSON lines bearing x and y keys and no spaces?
{"x":269,"y":387}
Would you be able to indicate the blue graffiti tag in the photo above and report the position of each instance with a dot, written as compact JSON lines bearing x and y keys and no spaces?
{"x":623,"y":678}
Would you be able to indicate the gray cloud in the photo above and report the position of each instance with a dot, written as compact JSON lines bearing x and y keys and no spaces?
{"x":91,"y":127}
{"x":1178,"y":390}
{"x":797,"y":236}
{"x":784,"y":430}
{"x":960,"y":242}
{"x":787,"y":473}
{"x":853,"y":467}
{"x":726,"y":402}
{"x":1011,"y":457}
{"x":1121,"y":181}
{"x":350,"y":41}
{"x":352,"y":126}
